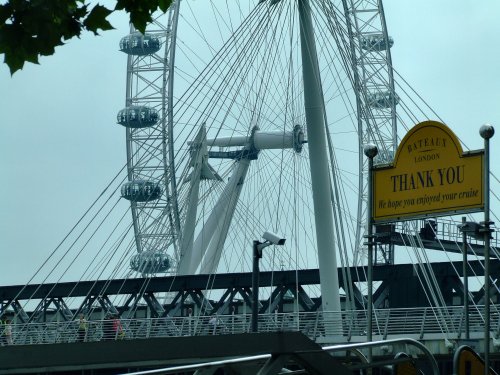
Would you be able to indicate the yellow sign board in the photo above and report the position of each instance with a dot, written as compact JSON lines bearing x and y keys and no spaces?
{"x":430,"y":176}
{"x":467,"y":362}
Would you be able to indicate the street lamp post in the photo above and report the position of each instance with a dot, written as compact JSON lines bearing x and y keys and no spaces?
{"x":258,"y":246}
{"x":370,"y":150}
{"x":487,"y":131}
{"x":474,"y":230}
{"x":255,"y":285}
{"x":466,"y":279}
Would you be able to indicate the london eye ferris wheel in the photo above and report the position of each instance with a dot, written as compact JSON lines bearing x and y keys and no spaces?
{"x":249,"y":116}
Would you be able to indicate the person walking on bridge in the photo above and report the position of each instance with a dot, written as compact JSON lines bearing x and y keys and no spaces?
{"x":82,"y":328}
{"x":117,"y":328}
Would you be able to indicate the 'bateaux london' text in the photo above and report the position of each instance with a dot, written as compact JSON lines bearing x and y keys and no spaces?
{"x":426,"y":144}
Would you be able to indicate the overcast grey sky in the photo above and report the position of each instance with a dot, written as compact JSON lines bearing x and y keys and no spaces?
{"x":60,"y":143}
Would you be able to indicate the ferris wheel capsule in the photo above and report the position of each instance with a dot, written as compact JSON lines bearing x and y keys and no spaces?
{"x":149,"y":262}
{"x":138,"y":44}
{"x":381,"y":100}
{"x":141,"y":191}
{"x":137,"y":117}
{"x":376,"y":42}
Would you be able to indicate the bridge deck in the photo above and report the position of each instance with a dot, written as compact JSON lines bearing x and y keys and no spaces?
{"x":157,"y":352}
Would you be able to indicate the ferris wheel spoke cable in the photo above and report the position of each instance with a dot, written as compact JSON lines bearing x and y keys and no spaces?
{"x":120,"y":262}
{"x":405,"y":110}
{"x":250,"y":65}
{"x":194,"y":90}
{"x":338,"y":220}
{"x":281,"y":167}
{"x":222,"y":53}
{"x":67,"y":302}
{"x":335,"y":72}
{"x":195,"y":26}
{"x":270,"y":52}
{"x":344,"y":203}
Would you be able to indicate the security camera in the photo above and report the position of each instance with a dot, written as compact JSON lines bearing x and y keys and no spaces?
{"x":274,"y":238}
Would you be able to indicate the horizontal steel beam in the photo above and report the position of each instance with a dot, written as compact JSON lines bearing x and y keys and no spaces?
{"x":220,"y":281}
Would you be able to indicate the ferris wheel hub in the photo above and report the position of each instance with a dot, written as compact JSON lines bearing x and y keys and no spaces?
{"x":264,"y":140}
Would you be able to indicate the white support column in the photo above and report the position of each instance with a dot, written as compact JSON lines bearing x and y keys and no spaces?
{"x":186,"y":248}
{"x":212,"y":257}
{"x":206,"y":234}
{"x":318,"y":159}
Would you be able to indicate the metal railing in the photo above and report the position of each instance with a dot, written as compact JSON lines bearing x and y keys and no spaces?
{"x":448,"y":229}
{"x":417,"y":323}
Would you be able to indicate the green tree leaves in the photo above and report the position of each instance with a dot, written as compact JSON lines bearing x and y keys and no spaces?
{"x":96,"y":19}
{"x":30,"y":29}
{"x":140,"y":11}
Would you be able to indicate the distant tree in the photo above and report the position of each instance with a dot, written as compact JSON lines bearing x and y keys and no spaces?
{"x":33,"y":28}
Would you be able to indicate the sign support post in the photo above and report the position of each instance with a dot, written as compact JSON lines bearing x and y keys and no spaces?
{"x":370,"y":151}
{"x":466,"y":280}
{"x":486,"y":131}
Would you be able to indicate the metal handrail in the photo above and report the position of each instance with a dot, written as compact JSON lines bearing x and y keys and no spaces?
{"x":260,"y":358}
{"x":448,"y":229}
{"x":409,"y":322}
